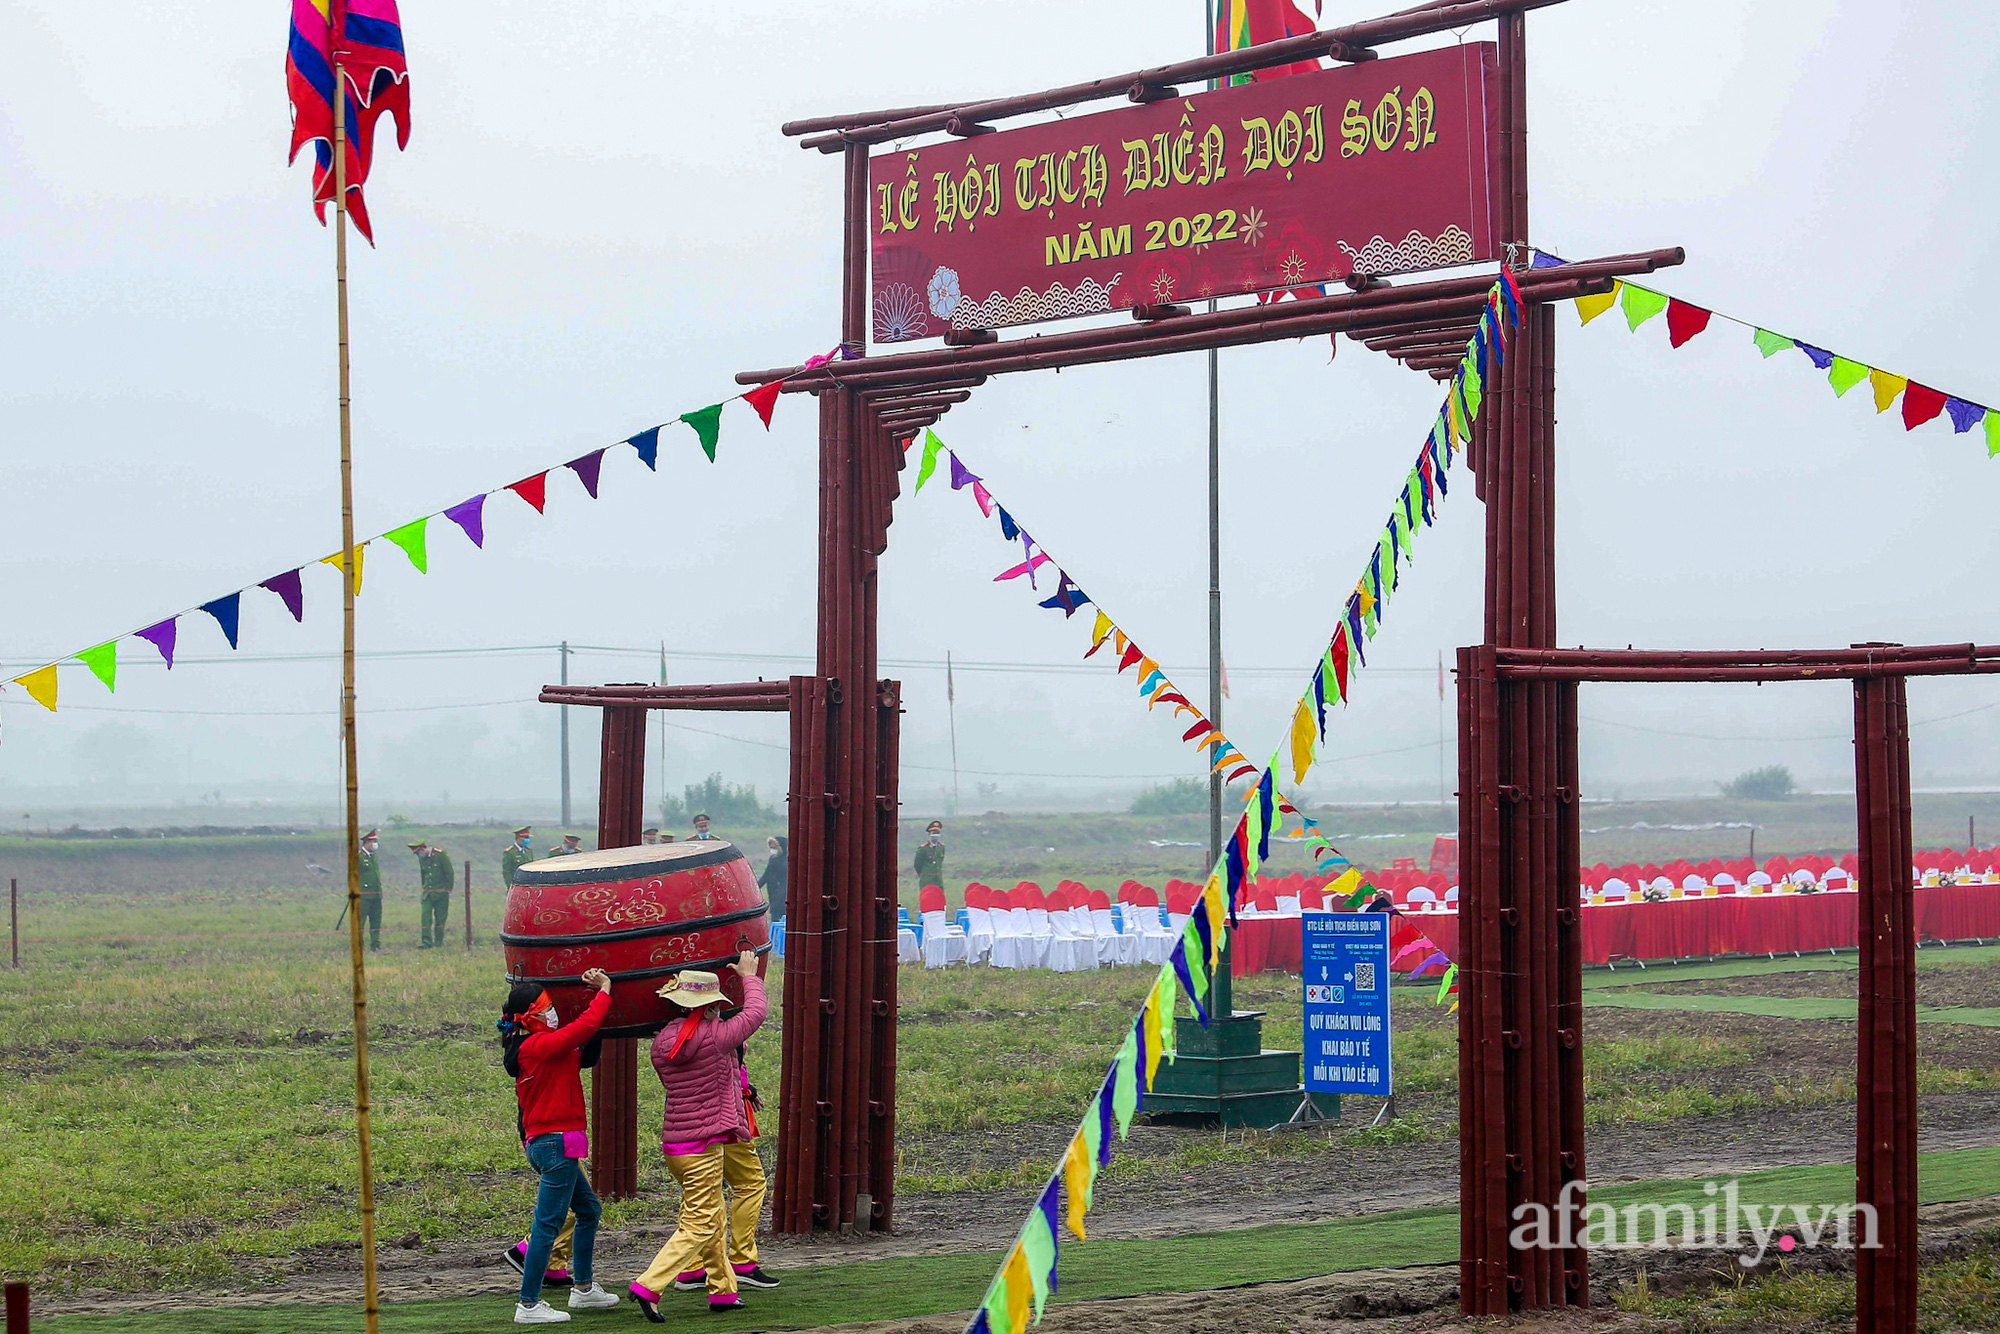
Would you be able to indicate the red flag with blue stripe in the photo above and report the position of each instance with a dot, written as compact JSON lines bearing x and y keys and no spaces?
{"x":368,"y":35}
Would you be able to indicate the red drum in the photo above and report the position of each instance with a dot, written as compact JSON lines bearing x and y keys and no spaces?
{"x":639,"y":914}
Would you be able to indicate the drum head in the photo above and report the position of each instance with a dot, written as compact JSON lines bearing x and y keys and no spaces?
{"x":608,"y":864}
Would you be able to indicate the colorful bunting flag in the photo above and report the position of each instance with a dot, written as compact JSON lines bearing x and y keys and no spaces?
{"x":1684,"y":321}
{"x":470,"y":515}
{"x":764,"y":399}
{"x":707,"y":424}
{"x":410,"y":537}
{"x":1590,"y":307}
{"x":226,"y":611}
{"x":338,"y":560}
{"x":586,"y":469}
{"x":290,"y":590}
{"x":41,"y":686}
{"x":162,"y":637}
{"x":1639,"y":304}
{"x":534,"y":490}
{"x":929,"y":464}
{"x":103,"y":663}
{"x":647,"y":444}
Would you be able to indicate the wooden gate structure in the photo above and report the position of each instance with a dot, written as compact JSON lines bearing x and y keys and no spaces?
{"x":1520,"y":1124}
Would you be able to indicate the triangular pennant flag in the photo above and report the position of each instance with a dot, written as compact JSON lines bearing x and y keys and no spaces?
{"x":587,"y":469}
{"x":1038,"y":1246}
{"x":1639,"y":304}
{"x":1302,"y":742}
{"x":1034,"y":562}
{"x":929,"y":464}
{"x":410,"y":537}
{"x":1964,"y":416}
{"x":227,"y":613}
{"x":1008,"y":528}
{"x":1920,"y":404}
{"x":1818,"y":356}
{"x":982,"y":497}
{"x":534,"y":490}
{"x":1125,"y":1086}
{"x":961,"y":476}
{"x":647,"y":443}
{"x":764,"y":398}
{"x":1768,"y":343}
{"x":103,"y":663}
{"x":1020,"y":1289}
{"x":471,"y":514}
{"x":1132,"y":654}
{"x":1886,"y":387}
{"x":291,"y":590}
{"x":1992,"y":434}
{"x":1444,"y":987}
{"x":707,"y":424}
{"x":1684,"y":321}
{"x":1099,"y":632}
{"x":339,"y":562}
{"x":1068,"y":598}
{"x":1079,"y":1176}
{"x":1843,"y":375}
{"x":162,"y":637}
{"x":1589,"y":308}
{"x":41,"y":686}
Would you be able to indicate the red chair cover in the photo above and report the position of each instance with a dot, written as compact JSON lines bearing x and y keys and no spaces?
{"x":930,"y":899}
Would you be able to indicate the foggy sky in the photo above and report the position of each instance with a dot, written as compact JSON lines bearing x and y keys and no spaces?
{"x":597,"y":223}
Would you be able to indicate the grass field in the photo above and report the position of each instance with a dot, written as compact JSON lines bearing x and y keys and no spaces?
{"x":889,"y":1289}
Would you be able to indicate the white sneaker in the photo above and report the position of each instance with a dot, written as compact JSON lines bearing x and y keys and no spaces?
{"x":592,"y":1298}
{"x":541,"y":1313}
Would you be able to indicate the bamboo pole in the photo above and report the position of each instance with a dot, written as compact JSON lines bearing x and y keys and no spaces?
{"x":371,"y":1308}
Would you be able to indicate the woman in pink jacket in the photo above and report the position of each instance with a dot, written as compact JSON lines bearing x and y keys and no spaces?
{"x":695,"y":1057}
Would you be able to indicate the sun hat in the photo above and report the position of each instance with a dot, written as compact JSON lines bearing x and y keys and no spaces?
{"x":692,"y":988}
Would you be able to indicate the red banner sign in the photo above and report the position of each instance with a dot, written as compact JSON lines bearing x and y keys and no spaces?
{"x":1379,"y":167}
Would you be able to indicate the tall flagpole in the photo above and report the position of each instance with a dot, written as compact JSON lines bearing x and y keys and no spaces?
{"x":951,"y":713}
{"x":1223,"y":1001}
{"x":370,"y":1294}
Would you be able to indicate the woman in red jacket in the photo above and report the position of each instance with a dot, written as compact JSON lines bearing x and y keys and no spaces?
{"x":544,"y":1057}
{"x":695,"y":1057}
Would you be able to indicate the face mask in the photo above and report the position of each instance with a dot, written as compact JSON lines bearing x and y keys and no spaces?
{"x":549,"y":1017}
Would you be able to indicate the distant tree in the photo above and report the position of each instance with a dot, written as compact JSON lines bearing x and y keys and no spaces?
{"x":1183,"y":796}
{"x":1771,"y":783}
{"x":724,"y":803}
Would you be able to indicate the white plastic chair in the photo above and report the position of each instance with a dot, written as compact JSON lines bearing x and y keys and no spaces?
{"x":1156,"y":939}
{"x":1838,"y":878}
{"x":1422,"y":899}
{"x":1451,"y":898}
{"x":1009,"y":949}
{"x":1726,"y":883}
{"x":1693,"y":886}
{"x":906,"y":946}
{"x":1113,"y":945}
{"x":1616,"y":890}
{"x":1758,"y":882}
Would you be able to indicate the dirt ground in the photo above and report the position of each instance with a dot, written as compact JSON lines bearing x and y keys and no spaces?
{"x":1977,"y":986}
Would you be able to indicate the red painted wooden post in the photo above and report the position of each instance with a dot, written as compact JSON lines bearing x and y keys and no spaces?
{"x":614,"y":1084}
{"x":17,"y":1308}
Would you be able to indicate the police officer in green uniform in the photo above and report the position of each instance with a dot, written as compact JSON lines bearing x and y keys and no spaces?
{"x":930,"y":856}
{"x":518,"y":854}
{"x":434,"y":877}
{"x":371,"y":890}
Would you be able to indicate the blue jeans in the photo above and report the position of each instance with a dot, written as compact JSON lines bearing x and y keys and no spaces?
{"x":565,"y":1190}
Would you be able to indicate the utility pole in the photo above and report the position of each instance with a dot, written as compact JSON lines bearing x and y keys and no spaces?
{"x":1223,"y":1001}
{"x":663,"y":739}
{"x":951,"y":714}
{"x":563,"y":651}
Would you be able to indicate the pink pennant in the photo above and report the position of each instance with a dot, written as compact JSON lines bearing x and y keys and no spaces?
{"x":1026,"y":567}
{"x":983,"y":496}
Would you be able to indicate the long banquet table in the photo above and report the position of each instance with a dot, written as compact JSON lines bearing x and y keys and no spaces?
{"x":1680,"y":928}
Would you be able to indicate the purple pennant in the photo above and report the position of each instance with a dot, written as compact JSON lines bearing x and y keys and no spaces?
{"x":1104,"y":1115}
{"x":287,"y":586}
{"x":1544,"y":260}
{"x":1048,"y":1208}
{"x":587,"y":468}
{"x":471,"y":516}
{"x":960,"y":474}
{"x":1819,"y":355}
{"x":161,"y":637}
{"x":226,"y":612}
{"x":1964,"y":415}
{"x":1067,"y":598}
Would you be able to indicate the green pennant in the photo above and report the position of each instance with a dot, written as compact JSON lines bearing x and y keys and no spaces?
{"x":1038,"y":1244}
{"x":410,"y":537}
{"x":707,"y":423}
{"x":931,"y":447}
{"x":1361,"y":895}
{"x":1843,"y":375}
{"x":1992,"y":433}
{"x":103,"y":663}
{"x":1771,"y":344}
{"x":1331,"y":675}
{"x":1125,"y":1084}
{"x":1197,"y":962}
{"x":1444,"y":987}
{"x":998,"y":1321}
{"x":1474,"y":389}
{"x":1639,"y":303}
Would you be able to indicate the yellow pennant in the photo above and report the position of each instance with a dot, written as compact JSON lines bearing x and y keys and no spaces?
{"x":1590,"y":307}
{"x":41,"y":686}
{"x":1100,"y":630}
{"x":1119,"y":642}
{"x":360,"y":561}
{"x":1349,"y":881}
{"x":1217,"y":918}
{"x":1167,"y":989}
{"x":1149,"y":1018}
{"x":1020,"y":1288}
{"x":1304,"y":732}
{"x":1079,"y":1174}
{"x":1887,"y":387}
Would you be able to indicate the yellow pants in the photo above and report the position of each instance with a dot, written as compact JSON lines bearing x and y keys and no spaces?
{"x":700,"y":1241}
{"x":743,"y":1173}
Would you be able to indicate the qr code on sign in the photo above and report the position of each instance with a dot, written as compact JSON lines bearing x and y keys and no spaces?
{"x":1364,"y":977}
